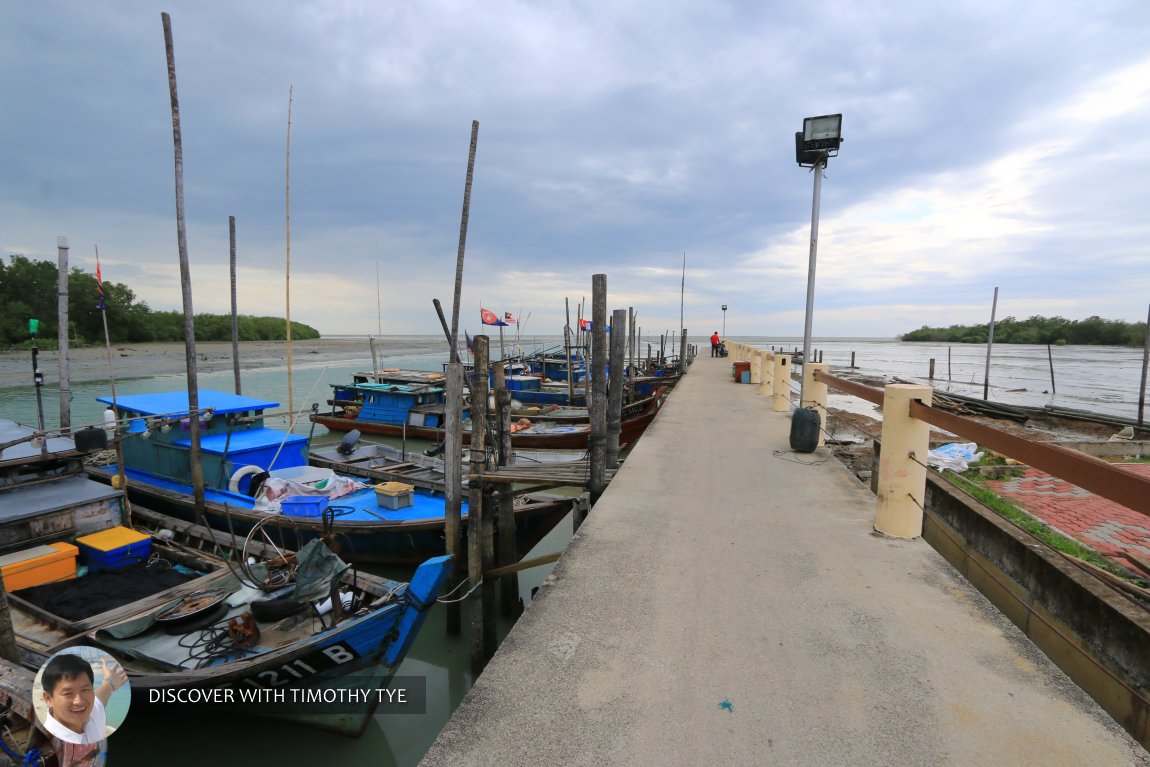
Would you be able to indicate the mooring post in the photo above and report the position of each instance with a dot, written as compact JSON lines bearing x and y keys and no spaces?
{"x":902,"y":462}
{"x":683,"y":352}
{"x":453,"y":483}
{"x":8,"y":649}
{"x":757,"y":366}
{"x":930,"y":372}
{"x":852,"y":359}
{"x":815,"y":396}
{"x":478,"y":515}
{"x":235,"y":305}
{"x":508,"y":550}
{"x":615,"y":387}
{"x":767,"y":374}
{"x":782,"y":381}
{"x":598,"y":401}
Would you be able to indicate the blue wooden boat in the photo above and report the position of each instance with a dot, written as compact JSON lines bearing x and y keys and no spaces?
{"x":226,"y":629}
{"x":249,"y":468}
{"x":396,"y":407}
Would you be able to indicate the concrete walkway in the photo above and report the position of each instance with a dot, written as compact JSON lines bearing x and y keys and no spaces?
{"x":727,"y":603}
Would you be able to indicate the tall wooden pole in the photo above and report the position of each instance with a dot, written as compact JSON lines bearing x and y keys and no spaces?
{"x":62,"y":335}
{"x":287,"y":265}
{"x":463,"y":238}
{"x":185,"y":283}
{"x":683,"y":352}
{"x":508,"y":554}
{"x":453,"y":406}
{"x":235,"y":305}
{"x":598,"y":402}
{"x":615,"y":386}
{"x":479,"y":517}
{"x":567,"y":340}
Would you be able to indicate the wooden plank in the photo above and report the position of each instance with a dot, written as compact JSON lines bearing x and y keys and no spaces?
{"x":526,"y":564}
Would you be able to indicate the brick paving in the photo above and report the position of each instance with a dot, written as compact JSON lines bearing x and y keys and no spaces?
{"x":1108,"y":527}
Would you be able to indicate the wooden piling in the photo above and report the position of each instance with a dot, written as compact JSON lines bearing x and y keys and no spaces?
{"x":479,"y":521}
{"x":615,"y":387}
{"x":1050,"y":359}
{"x":8,"y":649}
{"x":185,"y":283}
{"x":930,"y":372}
{"x":235,"y":306}
{"x":989,"y":346}
{"x":1145,"y":361}
{"x":598,"y":402}
{"x":507,"y":553}
{"x":453,"y":482}
{"x":62,"y":334}
{"x":852,"y":359}
{"x":683,"y":352}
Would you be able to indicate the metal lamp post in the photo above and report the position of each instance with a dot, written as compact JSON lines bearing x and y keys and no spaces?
{"x":724,"y":321}
{"x":818,"y":141}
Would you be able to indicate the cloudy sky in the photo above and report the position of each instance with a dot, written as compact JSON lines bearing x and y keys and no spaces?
{"x":989,"y":144}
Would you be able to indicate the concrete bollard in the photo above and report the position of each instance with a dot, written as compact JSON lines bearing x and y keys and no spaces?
{"x":767,"y":374}
{"x":901,"y":486}
{"x":756,"y":366}
{"x":815,"y":396}
{"x":782,"y":377}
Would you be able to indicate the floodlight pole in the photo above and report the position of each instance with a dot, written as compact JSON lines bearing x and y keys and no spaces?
{"x":818,"y":171}
{"x":724,"y":320}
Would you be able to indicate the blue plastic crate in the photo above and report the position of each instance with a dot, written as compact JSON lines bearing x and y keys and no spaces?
{"x":114,"y":559}
{"x":303,"y":505}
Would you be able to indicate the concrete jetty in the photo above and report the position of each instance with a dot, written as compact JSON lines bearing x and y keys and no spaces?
{"x":727,"y":602}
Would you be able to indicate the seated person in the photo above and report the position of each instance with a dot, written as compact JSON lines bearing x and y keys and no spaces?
{"x":75,"y":705}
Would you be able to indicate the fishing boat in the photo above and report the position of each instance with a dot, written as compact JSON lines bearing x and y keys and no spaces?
{"x":45,"y":495}
{"x":396,"y":408}
{"x":254,"y":473}
{"x":23,"y":739}
{"x":193,"y":613}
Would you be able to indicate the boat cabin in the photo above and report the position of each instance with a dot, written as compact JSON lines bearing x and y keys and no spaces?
{"x":232,"y":436}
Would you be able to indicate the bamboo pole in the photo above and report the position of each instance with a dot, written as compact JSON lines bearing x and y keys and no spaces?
{"x":463,"y":238}
{"x":62,"y":334}
{"x":508,"y":551}
{"x":1050,"y":359}
{"x":567,"y":344}
{"x":185,"y":283}
{"x":235,"y":304}
{"x":287,"y":269}
{"x":121,"y":474}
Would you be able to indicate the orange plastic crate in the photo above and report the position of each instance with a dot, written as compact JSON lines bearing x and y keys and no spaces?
{"x":39,"y":566}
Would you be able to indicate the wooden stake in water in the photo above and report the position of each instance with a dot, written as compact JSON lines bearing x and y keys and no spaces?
{"x":120,"y":472}
{"x":62,"y":335}
{"x":185,"y":283}
{"x":1145,"y":360}
{"x":615,"y":387}
{"x":1050,"y":358}
{"x":989,"y":345}
{"x":235,"y":305}
{"x":479,"y":524}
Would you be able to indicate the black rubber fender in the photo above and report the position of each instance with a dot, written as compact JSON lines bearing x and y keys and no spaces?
{"x":277,"y":606}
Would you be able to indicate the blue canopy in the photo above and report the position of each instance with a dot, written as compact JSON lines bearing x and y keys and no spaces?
{"x":175,"y":403}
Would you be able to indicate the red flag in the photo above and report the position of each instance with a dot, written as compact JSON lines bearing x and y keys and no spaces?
{"x":585,"y":325}
{"x":490,"y":318}
{"x":99,"y":285}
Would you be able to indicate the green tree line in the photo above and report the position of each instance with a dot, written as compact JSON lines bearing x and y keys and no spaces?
{"x":28,"y":290}
{"x":1038,"y":330}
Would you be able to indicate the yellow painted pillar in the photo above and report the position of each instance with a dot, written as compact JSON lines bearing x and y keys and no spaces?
{"x":782,"y":377}
{"x":767,"y":374}
{"x":901,"y":478}
{"x":756,"y":366}
{"x":815,"y":396}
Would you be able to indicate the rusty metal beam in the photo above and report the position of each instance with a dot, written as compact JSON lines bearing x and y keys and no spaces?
{"x":870,"y":394}
{"x":1099,"y":477}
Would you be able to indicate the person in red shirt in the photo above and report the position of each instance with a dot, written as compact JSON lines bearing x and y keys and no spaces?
{"x":715,"y":341}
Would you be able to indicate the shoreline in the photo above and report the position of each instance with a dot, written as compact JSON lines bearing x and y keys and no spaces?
{"x":160,"y":358}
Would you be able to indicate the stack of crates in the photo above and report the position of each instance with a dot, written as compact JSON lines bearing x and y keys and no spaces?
{"x":113,"y":549}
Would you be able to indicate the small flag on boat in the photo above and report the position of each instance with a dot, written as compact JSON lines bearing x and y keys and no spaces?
{"x":99,"y":285}
{"x":490,"y":318}
{"x":510,"y":319}
{"x":585,"y":325}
